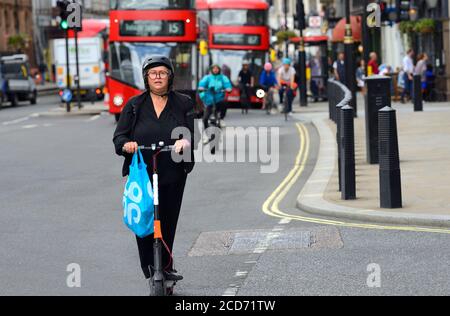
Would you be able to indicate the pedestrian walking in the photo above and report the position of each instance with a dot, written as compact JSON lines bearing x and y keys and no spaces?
{"x":421,"y":67}
{"x":360,"y":75}
{"x":408,"y":71}
{"x":372,"y":65}
{"x":339,"y":68}
{"x":316,"y":84}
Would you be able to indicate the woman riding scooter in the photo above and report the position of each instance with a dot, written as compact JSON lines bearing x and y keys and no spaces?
{"x":149,"y":119}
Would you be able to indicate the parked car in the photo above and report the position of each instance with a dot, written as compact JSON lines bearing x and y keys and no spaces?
{"x":18,"y":83}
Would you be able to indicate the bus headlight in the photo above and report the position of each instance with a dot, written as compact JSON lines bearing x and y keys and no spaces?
{"x":118,"y":100}
{"x":260,"y":93}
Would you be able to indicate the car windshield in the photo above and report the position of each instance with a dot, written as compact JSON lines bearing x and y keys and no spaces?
{"x":231,"y":62}
{"x":127,"y":60}
{"x":15,"y":71}
{"x":151,"y":4}
{"x":239,"y":17}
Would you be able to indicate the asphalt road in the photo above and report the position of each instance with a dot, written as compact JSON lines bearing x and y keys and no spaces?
{"x":61,"y":204}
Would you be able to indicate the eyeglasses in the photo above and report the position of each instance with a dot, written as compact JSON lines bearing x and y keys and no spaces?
{"x":162,"y":74}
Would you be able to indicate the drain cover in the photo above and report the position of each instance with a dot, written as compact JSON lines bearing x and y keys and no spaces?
{"x":244,"y":242}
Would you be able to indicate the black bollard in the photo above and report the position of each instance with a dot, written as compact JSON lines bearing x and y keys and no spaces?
{"x":338,"y":141}
{"x":417,"y":93}
{"x":378,"y":96}
{"x":390,"y":179}
{"x":347,"y":149}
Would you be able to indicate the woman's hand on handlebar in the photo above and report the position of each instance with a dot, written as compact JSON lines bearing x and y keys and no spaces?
{"x":130,"y":148}
{"x":181,"y":145}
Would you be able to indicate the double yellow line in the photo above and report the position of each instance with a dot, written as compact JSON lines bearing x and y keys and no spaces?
{"x":271,"y":205}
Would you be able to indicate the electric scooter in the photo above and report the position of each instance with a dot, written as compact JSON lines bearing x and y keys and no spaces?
{"x":158,"y":284}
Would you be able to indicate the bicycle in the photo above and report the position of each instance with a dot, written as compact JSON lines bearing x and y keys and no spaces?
{"x":269,"y":100}
{"x":215,"y":120}
{"x":158,"y":284}
{"x":285,"y":100}
{"x":245,"y":97}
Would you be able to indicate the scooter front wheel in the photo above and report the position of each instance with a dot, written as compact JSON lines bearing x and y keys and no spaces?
{"x":159,"y":289}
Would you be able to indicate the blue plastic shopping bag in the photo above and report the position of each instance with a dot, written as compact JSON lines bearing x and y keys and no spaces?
{"x":138,"y":209}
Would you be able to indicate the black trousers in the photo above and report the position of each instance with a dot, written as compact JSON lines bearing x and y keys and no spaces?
{"x":170,"y":199}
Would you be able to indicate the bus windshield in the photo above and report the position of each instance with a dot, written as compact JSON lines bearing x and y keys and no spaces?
{"x":151,"y":4}
{"x":239,"y":17}
{"x":231,"y":62}
{"x":127,"y":60}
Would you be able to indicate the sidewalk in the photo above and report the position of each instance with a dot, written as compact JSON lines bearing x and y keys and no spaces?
{"x":424,"y":144}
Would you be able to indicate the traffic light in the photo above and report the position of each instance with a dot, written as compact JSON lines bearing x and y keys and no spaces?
{"x":300,"y":22}
{"x":63,"y":13}
{"x":403,"y":7}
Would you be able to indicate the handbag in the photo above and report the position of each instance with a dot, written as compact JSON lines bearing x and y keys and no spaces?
{"x":138,"y":208}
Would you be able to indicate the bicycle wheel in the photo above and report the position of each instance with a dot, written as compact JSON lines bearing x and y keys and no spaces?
{"x":158,"y":288}
{"x":285,"y":103}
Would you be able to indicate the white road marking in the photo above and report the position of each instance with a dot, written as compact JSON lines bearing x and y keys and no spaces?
{"x":29,"y":126}
{"x":264,"y":244}
{"x":284,"y":221}
{"x":240,"y":274}
{"x":231,"y":291}
{"x":19,"y":120}
{"x":93,"y":118}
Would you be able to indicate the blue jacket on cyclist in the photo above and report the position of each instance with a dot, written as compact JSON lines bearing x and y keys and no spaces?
{"x":267,"y":78}
{"x":214,"y":85}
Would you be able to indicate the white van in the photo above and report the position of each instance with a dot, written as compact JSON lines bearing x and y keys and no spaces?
{"x":91,"y":65}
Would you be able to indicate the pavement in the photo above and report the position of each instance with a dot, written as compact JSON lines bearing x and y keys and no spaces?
{"x":424,"y":157}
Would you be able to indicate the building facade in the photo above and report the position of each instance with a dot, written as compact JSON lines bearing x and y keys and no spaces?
{"x":14,"y":19}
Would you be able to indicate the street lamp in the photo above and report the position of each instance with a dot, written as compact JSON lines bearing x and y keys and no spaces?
{"x":301,"y":25}
{"x":350,"y":75}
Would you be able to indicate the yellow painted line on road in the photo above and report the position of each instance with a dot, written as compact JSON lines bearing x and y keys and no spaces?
{"x":271,"y":205}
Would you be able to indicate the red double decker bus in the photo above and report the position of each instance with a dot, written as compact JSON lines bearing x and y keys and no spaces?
{"x":141,"y":28}
{"x":238,"y":30}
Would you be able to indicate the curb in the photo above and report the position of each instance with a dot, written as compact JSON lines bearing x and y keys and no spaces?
{"x":47,"y":91}
{"x":311,"y":198}
{"x":85,"y":111}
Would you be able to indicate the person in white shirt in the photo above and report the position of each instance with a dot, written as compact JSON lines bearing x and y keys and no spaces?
{"x":408,"y":70}
{"x":286,"y":78}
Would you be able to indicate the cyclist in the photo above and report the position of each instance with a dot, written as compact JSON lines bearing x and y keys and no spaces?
{"x":246,"y":82}
{"x":286,"y":79}
{"x":268,"y":82}
{"x":148,"y":119}
{"x":212,"y":91}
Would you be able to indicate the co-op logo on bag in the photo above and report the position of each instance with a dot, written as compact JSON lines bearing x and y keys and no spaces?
{"x":132,"y":211}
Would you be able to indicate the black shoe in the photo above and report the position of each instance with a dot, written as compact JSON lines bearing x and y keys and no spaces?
{"x":173,"y":275}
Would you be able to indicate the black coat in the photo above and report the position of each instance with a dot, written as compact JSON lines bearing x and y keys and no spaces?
{"x":182,"y":110}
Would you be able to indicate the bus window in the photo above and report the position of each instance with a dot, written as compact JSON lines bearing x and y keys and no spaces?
{"x":231,"y":17}
{"x":151,"y":4}
{"x":127,"y":60}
